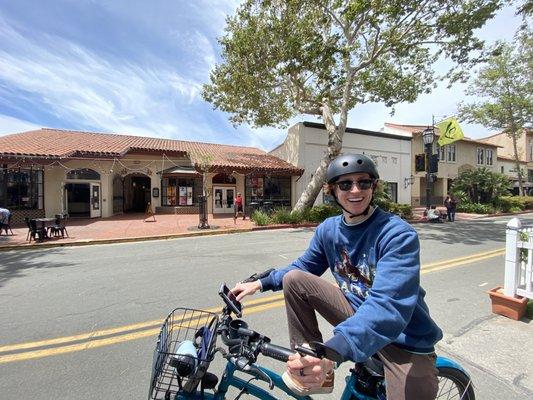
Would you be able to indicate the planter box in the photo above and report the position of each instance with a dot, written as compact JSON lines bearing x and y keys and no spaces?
{"x":510,"y":307}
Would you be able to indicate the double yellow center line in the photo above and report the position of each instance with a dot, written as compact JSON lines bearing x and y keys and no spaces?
{"x":106,"y":337}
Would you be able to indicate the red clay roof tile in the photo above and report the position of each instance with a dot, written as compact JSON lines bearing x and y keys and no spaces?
{"x":57,"y":143}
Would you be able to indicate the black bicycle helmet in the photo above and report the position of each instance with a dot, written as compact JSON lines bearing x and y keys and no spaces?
{"x":351,"y":164}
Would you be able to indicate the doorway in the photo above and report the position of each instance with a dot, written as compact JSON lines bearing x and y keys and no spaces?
{"x":136,"y":193}
{"x":78,"y":199}
{"x":223,"y":198}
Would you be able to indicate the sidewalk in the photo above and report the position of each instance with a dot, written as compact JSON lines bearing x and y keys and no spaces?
{"x":133,"y":227}
{"x":127,"y":227}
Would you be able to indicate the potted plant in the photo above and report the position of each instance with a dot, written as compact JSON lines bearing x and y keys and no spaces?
{"x":510,"y":307}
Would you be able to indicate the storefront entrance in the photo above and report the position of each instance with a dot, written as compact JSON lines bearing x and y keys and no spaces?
{"x":223,"y":200}
{"x":136,"y":193}
{"x":78,"y":202}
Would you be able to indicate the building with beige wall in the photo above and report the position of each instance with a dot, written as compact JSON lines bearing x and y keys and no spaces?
{"x":464,"y":154}
{"x":86,"y":174}
{"x":306,"y":144}
{"x":506,"y":156}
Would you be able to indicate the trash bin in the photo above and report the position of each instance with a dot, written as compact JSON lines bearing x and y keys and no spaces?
{"x":253,"y":206}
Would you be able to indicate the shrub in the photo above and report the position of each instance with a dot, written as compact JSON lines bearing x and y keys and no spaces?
{"x":322,"y":211}
{"x":475,"y":208}
{"x":285,"y":216}
{"x":405,"y":211}
{"x":260,"y":218}
{"x":508,"y":203}
{"x":526,"y":201}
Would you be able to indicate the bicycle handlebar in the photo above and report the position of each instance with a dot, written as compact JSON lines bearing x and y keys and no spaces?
{"x":257,"y":276}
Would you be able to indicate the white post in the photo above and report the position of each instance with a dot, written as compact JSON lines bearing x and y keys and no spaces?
{"x":512,"y":257}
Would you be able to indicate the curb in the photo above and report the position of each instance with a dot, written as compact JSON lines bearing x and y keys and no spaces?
{"x":88,"y":242}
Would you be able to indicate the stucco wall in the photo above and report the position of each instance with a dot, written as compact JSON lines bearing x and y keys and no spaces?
{"x":393,"y":156}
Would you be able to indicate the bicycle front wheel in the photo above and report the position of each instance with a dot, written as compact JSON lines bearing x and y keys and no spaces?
{"x":454,"y":384}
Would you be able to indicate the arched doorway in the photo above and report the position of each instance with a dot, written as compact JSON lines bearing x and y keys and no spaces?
{"x":137,"y":188}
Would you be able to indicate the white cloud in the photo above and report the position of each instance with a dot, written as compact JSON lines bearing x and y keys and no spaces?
{"x":80,"y":87}
{"x":14,"y":125}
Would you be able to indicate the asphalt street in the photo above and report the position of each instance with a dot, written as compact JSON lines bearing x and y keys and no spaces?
{"x":95,"y":311}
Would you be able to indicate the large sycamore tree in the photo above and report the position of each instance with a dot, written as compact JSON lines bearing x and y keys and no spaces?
{"x":504,"y":85}
{"x":282,"y":58}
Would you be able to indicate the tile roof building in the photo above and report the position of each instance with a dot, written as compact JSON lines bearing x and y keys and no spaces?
{"x":89,"y":174}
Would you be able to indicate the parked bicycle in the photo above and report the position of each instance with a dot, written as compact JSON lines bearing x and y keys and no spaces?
{"x":187,"y":344}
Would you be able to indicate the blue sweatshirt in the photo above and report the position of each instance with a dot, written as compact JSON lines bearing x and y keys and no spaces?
{"x":377,"y":266}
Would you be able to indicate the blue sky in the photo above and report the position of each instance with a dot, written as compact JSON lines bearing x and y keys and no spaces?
{"x":137,"y":67}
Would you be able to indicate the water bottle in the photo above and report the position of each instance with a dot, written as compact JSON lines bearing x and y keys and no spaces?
{"x":186,"y":359}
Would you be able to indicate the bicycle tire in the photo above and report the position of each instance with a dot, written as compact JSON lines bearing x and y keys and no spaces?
{"x":454,"y":384}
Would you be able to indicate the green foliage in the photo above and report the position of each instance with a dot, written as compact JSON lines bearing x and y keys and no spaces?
{"x":320,"y":212}
{"x":481,"y":185}
{"x":527,"y":202}
{"x":509,"y":204}
{"x":260,"y":218}
{"x":323,"y":57}
{"x":505,"y":85}
{"x":282,"y":58}
{"x":529,"y":309}
{"x":405,"y":211}
{"x":285,"y":216}
{"x":475,"y":208}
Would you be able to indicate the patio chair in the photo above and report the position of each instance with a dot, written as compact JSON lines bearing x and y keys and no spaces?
{"x":35,"y":232}
{"x":6,"y":226}
{"x":59,"y":226}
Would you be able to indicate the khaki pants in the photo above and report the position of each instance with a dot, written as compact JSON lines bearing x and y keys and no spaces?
{"x":408,"y":376}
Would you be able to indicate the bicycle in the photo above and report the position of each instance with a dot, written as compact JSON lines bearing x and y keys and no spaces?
{"x":186,"y":346}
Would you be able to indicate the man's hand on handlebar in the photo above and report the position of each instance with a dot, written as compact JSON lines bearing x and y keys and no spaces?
{"x":309,"y":371}
{"x":241,"y":290}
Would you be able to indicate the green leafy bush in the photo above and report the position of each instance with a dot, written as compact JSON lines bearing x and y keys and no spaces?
{"x":260,"y":218}
{"x":475,"y":208}
{"x":509,"y":203}
{"x":322,"y":211}
{"x":526,"y":201}
{"x":405,"y":211}
{"x":285,"y":216}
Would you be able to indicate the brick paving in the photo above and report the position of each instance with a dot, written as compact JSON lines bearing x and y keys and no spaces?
{"x":128,"y":227}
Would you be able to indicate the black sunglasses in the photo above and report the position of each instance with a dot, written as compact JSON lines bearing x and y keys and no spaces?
{"x":362,"y":184}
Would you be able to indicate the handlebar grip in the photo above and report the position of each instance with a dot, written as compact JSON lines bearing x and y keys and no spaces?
{"x":256,"y":277}
{"x":276,"y":352}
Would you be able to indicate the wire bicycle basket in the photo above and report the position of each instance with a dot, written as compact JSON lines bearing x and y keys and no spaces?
{"x":174,"y":371}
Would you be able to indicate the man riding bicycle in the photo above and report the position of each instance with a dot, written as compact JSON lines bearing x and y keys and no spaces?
{"x":378,"y":306}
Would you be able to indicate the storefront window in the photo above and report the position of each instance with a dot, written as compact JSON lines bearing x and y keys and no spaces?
{"x":176,"y":191}
{"x":273,"y":189}
{"x":22,"y":189}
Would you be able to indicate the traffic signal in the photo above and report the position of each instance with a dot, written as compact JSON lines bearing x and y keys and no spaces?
{"x":434,"y":163}
{"x":420,"y":162}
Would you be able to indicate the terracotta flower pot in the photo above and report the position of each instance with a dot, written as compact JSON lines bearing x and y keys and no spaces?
{"x":510,"y":307}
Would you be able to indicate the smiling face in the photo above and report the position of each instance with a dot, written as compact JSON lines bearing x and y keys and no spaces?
{"x":354,"y":200}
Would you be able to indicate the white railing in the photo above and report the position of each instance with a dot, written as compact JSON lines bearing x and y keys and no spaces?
{"x":518,"y":260}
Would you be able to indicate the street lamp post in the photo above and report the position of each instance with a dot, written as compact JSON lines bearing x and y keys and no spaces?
{"x":428,"y":136}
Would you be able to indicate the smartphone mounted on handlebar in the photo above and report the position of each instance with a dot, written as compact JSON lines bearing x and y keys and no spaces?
{"x":231,"y":301}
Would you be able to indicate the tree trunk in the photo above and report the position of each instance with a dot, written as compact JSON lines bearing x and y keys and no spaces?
{"x":517,"y":163}
{"x":335,"y":134}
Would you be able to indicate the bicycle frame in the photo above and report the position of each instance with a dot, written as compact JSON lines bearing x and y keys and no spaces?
{"x":230,"y":380}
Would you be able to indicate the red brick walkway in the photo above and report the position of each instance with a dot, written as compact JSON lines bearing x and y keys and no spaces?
{"x":129,"y":227}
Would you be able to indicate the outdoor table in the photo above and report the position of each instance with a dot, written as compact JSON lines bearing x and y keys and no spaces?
{"x":45,"y":223}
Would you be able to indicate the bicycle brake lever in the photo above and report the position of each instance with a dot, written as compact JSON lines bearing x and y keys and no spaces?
{"x":306,"y":351}
{"x":252,"y":369}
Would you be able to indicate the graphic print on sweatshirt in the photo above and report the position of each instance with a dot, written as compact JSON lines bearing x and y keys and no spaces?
{"x":356,"y":279}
